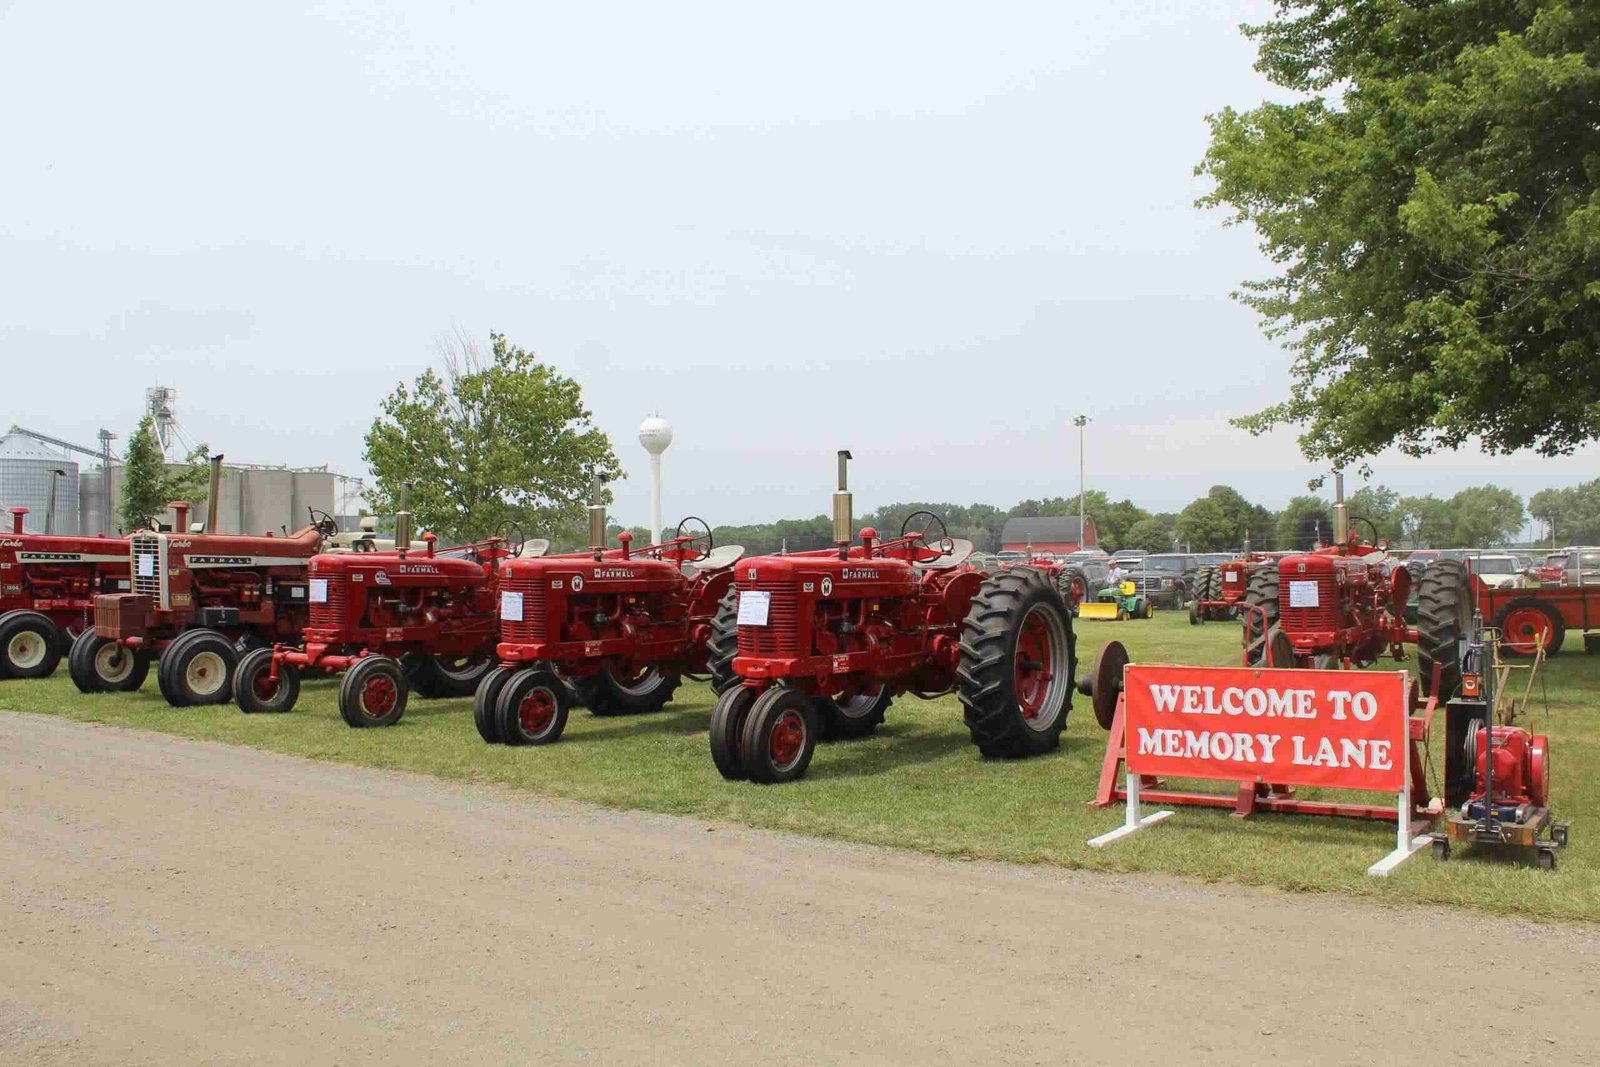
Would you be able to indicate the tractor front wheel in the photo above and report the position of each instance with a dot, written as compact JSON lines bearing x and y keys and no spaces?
{"x":532,"y":709}
{"x":780,"y":736}
{"x":1018,"y":658}
{"x":486,"y":703}
{"x":197,"y":669}
{"x":257,"y":692}
{"x":30,"y":645}
{"x":611,"y":691}
{"x":100,"y":665}
{"x":727,"y":731}
{"x":1444,"y":612}
{"x":373,"y":692}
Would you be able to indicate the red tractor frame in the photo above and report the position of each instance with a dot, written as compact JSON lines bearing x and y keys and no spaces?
{"x":1219,"y":591}
{"x":48,"y":583}
{"x":394,"y":622}
{"x":614,"y":629}
{"x":817,"y":643}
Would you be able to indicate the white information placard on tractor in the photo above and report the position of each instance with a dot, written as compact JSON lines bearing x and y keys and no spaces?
{"x":147,"y":565}
{"x":319,"y":590}
{"x":754,"y":606}
{"x":1303,"y":595}
{"x":511,"y":606}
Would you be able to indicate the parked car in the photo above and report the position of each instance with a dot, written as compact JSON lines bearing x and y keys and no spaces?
{"x":1553,"y":570}
{"x":1497,"y":571}
{"x":1129,"y":553}
{"x":1582,"y":566}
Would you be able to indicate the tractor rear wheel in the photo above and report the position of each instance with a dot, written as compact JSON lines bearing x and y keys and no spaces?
{"x":100,"y":665}
{"x":1444,"y":613}
{"x":855,"y":716}
{"x":1018,"y":658}
{"x":30,"y":645}
{"x":1260,"y":615}
{"x":723,"y":644}
{"x":485,"y":703}
{"x":532,"y":709}
{"x":373,"y":692}
{"x":256,"y":692}
{"x":1528,"y":621}
{"x":727,"y":731}
{"x":780,"y":735}
{"x":197,"y":669}
{"x":1073,"y":587}
{"x":1213,"y":592}
{"x":608,"y":693}
{"x":440,"y":677}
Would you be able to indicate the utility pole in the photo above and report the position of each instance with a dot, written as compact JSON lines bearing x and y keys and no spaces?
{"x":1080,"y":422}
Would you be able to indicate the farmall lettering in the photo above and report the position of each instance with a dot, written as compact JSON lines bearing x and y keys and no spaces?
{"x":858,"y":574}
{"x":611,"y":572}
{"x":418,"y":568}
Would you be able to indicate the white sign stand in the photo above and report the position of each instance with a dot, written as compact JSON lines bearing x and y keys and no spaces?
{"x":1405,"y":845}
{"x":1131,"y":822}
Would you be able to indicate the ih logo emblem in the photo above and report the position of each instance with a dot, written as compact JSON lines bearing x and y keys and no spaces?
{"x":577,"y":583}
{"x":750,"y":575}
{"x":827,"y":587}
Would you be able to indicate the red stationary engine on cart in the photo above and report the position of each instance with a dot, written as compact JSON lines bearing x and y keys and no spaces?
{"x":1521,"y":770}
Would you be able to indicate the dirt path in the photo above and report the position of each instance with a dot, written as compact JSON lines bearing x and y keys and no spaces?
{"x":171,"y":902}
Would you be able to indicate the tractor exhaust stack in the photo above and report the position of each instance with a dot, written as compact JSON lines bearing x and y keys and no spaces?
{"x":843,"y":508}
{"x":597,"y":516}
{"x":180,"y":516}
{"x":402,"y":521}
{"x":1341,"y":511}
{"x":213,"y":501}
{"x":16,"y":520}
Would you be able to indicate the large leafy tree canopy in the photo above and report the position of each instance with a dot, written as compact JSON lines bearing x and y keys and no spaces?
{"x":494,"y":441}
{"x":1571,"y":516}
{"x":1433,"y":200}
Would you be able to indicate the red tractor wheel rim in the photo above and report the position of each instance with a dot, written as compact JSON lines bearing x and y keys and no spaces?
{"x":788,"y":739}
{"x":265,"y":687}
{"x":378,"y":697}
{"x":537,"y":711}
{"x":1526,"y":627}
{"x":1035,"y":665}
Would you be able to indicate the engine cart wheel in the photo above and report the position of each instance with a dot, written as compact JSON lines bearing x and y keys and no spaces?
{"x":723,"y":644}
{"x":485,"y":703}
{"x":1591,"y":643}
{"x":1558,"y":834}
{"x":612,"y":691}
{"x":1261,"y":615}
{"x":1546,"y":857}
{"x":373,"y":692}
{"x":30,"y":645}
{"x":727,"y":731}
{"x":1528,"y":621}
{"x":532,"y":708}
{"x":100,"y":665}
{"x":197,"y":669}
{"x":1444,"y":612}
{"x":780,"y":736}
{"x":255,"y":690}
{"x":1441,"y":849}
{"x":1018,"y":661}
{"x":441,"y":677}
{"x":852,"y":717}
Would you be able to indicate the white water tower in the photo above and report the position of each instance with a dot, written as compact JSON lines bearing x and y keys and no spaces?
{"x":655,"y":433}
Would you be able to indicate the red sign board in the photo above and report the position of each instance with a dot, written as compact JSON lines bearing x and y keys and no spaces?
{"x":1338,"y":729}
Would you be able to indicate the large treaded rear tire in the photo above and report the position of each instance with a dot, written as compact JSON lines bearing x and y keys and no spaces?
{"x":1263,"y":593}
{"x":1444,"y":612}
{"x":857,"y":717}
{"x":1006,"y":604}
{"x":1073,"y":585}
{"x":606,"y":694}
{"x":434,"y":679}
{"x":723,"y":644}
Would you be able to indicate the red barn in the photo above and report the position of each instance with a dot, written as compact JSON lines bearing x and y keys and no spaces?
{"x":1048,"y":533}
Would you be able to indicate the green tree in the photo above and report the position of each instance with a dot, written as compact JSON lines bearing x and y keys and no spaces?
{"x":1304,"y":523}
{"x":1431,"y":198}
{"x":1572,"y":515}
{"x":1112,"y":520}
{"x":149,"y":483}
{"x":1427,"y":521}
{"x":1379,"y":505}
{"x":1205,"y":527}
{"x":1485,"y":515}
{"x":494,"y":441}
{"x":1152,"y":533}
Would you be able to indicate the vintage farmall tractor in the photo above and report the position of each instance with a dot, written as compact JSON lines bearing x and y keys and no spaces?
{"x":1344,"y":605}
{"x":396,"y":623}
{"x":1219,"y":591}
{"x":613,"y":629}
{"x":48,"y":583}
{"x":197,"y":599}
{"x":825,"y":640}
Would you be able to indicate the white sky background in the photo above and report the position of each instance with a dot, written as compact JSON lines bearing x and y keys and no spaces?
{"x":931,"y":233}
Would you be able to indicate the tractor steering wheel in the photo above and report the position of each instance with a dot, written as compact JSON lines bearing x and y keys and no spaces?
{"x":513,"y":544}
{"x":1370,"y":525}
{"x":941,"y":547}
{"x":691,"y":552}
{"x":325,"y":525}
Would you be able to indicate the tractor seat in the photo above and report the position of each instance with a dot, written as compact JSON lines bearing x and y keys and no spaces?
{"x":960,"y":549}
{"x":721,"y":558}
{"x":535,"y":548}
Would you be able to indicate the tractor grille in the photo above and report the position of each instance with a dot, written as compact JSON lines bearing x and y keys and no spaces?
{"x":781,"y":635}
{"x":329,"y":614}
{"x":148,"y":555}
{"x":1325,"y":616}
{"x":532,"y":627}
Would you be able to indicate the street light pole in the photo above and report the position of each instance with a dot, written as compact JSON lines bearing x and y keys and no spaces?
{"x":1080,"y":422}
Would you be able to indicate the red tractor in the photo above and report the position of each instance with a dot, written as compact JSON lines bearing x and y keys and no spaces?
{"x":613,"y":629}
{"x":1344,"y":606}
{"x":48,"y":583}
{"x":1220,"y":590}
{"x":197,"y":600}
{"x":819,"y":643}
{"x":394,"y":622}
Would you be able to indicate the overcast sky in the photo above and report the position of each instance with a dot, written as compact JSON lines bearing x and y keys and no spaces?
{"x":931,"y":233}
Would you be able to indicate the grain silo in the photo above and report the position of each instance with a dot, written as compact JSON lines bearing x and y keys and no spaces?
{"x":27,"y":470}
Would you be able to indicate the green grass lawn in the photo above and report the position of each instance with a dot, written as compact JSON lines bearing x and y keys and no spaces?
{"x":920,"y":784}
